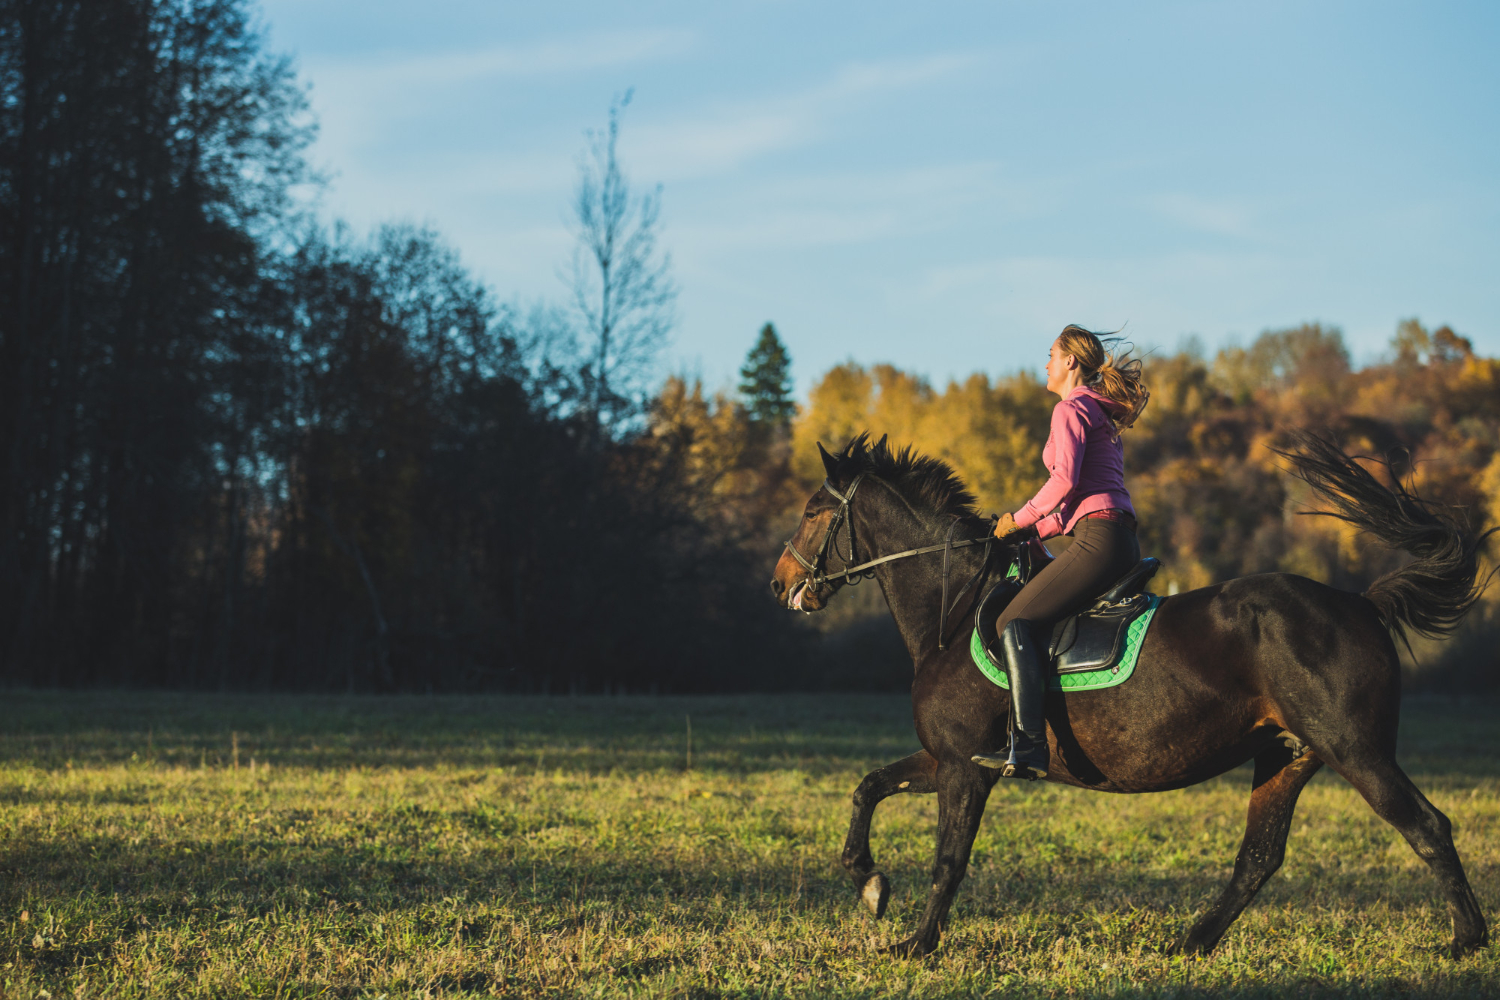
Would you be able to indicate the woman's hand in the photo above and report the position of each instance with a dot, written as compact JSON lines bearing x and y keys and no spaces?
{"x":1005,"y":527}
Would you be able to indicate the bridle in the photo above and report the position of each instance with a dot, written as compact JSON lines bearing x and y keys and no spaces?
{"x":817,"y":571}
{"x":816,"y":577}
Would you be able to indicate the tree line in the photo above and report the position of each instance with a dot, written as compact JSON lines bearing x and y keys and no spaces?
{"x":1214,"y":499}
{"x":246,"y":451}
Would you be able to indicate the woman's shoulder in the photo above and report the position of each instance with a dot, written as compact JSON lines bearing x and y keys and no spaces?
{"x":1091,"y":407}
{"x":1079,"y":405}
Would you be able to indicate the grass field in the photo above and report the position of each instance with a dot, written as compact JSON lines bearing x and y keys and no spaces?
{"x":202,"y":846}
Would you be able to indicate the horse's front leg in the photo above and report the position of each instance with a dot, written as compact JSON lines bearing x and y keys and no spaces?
{"x":909,"y":774}
{"x":962,"y":787}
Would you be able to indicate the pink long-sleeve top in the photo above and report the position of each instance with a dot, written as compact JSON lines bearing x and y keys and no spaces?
{"x":1087,"y":463}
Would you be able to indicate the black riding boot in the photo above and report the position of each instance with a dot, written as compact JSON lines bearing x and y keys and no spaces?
{"x":1024,"y":665}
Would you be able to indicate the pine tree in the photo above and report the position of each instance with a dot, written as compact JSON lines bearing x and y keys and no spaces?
{"x":765,"y":381}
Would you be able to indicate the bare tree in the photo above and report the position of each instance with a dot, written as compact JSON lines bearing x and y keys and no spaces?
{"x":622,"y":288}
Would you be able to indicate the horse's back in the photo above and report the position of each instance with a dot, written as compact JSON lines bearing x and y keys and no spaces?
{"x":1224,"y":669}
{"x":1258,"y":632}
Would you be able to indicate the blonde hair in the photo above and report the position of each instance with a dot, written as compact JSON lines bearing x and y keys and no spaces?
{"x":1109,"y":373}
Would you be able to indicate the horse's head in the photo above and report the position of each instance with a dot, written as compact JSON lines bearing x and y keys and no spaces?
{"x":906,"y":503}
{"x":800,"y":581}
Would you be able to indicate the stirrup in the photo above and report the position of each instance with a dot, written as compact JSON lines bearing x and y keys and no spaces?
{"x":1010,"y":767}
{"x":1030,"y":764}
{"x":1023,"y":772}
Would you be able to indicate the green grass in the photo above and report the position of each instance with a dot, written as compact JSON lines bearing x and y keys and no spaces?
{"x":448,"y":847}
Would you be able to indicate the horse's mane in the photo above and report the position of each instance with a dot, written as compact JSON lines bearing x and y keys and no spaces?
{"x":923,"y":480}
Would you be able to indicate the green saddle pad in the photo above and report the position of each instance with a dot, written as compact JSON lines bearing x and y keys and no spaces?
{"x":1087,"y":680}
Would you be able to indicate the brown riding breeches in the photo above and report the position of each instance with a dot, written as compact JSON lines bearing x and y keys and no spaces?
{"x":1101,"y":553}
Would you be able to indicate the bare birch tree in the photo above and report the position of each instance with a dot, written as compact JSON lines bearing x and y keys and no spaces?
{"x":622,"y":287}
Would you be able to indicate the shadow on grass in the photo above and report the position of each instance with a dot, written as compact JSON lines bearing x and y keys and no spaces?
{"x":379,"y":870}
{"x":264,"y":874}
{"x":740,"y":733}
{"x":130,"y":871}
{"x":1445,"y":739}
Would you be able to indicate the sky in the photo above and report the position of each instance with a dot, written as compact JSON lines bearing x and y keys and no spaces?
{"x":943,"y":186}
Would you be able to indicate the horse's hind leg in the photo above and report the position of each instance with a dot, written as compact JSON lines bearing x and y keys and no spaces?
{"x":910,"y":774}
{"x":1279,"y":779}
{"x":1397,"y":801}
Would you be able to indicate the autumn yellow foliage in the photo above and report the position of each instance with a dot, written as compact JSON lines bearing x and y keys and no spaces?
{"x":990,"y":431}
{"x":1214,"y":498}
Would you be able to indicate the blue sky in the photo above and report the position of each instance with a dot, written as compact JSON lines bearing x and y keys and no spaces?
{"x":944,"y":186}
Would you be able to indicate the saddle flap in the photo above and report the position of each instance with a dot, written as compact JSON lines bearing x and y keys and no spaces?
{"x":990,"y":608}
{"x":1094,"y":639}
{"x":1091,"y":640}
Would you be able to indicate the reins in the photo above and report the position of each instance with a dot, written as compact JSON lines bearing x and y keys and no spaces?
{"x":984,"y":566}
{"x":863,"y":571}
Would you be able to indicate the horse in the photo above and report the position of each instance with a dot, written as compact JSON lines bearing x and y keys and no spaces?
{"x":1274,"y":668}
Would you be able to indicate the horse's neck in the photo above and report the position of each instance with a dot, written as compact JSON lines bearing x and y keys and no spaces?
{"x":913,"y":587}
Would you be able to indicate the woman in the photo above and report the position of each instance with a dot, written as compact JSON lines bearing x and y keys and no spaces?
{"x":1086,"y":498}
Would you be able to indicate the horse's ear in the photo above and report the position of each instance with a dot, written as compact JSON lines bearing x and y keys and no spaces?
{"x":829,"y":462}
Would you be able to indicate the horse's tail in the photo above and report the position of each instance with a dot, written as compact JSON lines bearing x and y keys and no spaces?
{"x":1429,"y":595}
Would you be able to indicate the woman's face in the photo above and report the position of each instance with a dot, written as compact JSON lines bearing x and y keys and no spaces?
{"x":1058,"y":368}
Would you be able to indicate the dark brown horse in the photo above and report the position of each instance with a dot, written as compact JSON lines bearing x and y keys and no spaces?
{"x":1275,"y":668}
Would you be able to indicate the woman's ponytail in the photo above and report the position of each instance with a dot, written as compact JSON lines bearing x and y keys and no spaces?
{"x":1114,"y":374}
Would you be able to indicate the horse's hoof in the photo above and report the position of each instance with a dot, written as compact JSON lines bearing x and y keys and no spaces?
{"x":912,"y":947}
{"x":876,"y":893}
{"x":1463,"y":949}
{"x":1187,"y":947}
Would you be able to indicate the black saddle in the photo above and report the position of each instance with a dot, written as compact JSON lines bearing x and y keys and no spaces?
{"x":1089,"y":640}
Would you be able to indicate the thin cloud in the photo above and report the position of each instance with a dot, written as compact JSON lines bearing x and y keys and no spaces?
{"x":547,"y":58}
{"x":843,"y":208}
{"x":368,"y":100}
{"x":1207,"y":215}
{"x":729,"y":136}
{"x":1159,"y":294}
{"x":892,"y":74}
{"x":786,"y":230}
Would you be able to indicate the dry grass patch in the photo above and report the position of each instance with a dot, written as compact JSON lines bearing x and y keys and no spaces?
{"x":556,"y":847}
